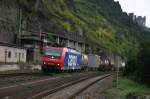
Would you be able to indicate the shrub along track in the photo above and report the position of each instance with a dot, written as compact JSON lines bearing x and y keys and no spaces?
{"x":28,"y":89}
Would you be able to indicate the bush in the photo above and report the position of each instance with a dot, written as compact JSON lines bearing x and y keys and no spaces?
{"x":139,"y":67}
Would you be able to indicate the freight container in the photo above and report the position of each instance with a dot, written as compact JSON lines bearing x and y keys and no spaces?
{"x":84,"y":59}
{"x":84,"y":64}
{"x":93,"y":61}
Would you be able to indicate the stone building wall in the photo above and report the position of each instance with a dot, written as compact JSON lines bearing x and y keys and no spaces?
{"x":12,"y":54}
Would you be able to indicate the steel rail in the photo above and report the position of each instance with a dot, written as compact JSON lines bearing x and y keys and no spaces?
{"x":81,"y":90}
{"x":48,"y":92}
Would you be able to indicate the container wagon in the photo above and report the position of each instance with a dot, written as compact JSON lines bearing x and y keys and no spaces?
{"x":84,"y":64}
{"x":93,"y":61}
{"x":106,"y":65}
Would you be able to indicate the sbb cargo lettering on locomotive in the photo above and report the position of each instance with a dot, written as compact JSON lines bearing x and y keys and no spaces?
{"x":72,"y":60}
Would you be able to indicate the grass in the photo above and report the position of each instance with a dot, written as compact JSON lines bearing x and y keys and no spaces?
{"x":127,"y":87}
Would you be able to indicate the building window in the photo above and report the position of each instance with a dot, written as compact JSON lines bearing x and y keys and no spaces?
{"x":9,"y":54}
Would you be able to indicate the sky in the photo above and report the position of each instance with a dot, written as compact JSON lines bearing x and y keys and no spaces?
{"x":138,"y":7}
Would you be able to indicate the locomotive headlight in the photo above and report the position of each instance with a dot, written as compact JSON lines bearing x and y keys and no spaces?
{"x":44,"y":63}
{"x":58,"y":64}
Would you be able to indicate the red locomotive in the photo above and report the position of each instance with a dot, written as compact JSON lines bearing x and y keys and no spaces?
{"x":55,"y":58}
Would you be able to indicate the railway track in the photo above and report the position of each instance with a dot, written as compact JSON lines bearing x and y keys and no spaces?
{"x":32,"y":73}
{"x":31,"y":89}
{"x":69,"y":91}
{"x":87,"y":86}
{"x":20,"y":74}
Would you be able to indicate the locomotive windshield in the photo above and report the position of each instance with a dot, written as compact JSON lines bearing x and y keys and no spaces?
{"x":56,"y":54}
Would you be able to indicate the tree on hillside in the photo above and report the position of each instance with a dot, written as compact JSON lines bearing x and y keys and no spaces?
{"x":144,"y":62}
{"x":139,"y":67}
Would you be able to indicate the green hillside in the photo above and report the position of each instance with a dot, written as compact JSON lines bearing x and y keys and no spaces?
{"x":102,"y":21}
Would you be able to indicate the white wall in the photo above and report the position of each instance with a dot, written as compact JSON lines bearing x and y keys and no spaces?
{"x":16,"y":54}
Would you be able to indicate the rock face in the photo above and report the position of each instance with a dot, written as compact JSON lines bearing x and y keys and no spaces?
{"x":8,"y":19}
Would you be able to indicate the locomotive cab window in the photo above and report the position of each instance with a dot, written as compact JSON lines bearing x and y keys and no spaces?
{"x":51,"y":53}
